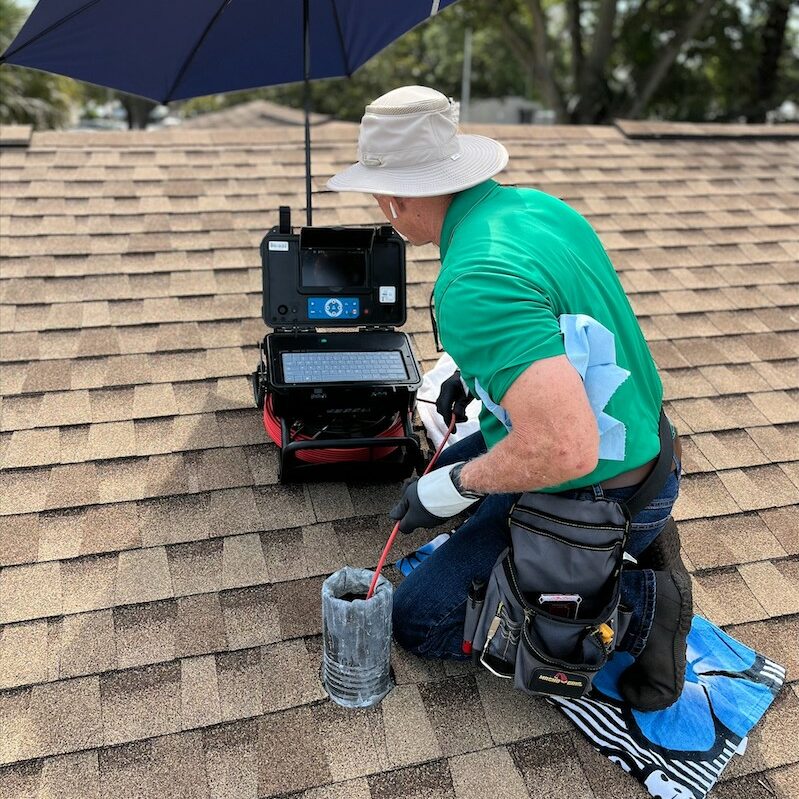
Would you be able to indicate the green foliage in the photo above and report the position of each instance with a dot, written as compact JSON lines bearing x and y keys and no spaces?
{"x":431,"y":54}
{"x":28,"y":96}
{"x":717,"y":73}
{"x":715,"y":76}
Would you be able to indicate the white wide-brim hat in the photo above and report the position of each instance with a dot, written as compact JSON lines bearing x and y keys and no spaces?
{"x":409,"y":146}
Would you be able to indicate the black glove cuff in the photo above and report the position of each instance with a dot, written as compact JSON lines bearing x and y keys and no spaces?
{"x":455,"y":476}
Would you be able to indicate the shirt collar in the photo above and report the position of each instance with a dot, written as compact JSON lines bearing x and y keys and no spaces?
{"x":460,"y":207}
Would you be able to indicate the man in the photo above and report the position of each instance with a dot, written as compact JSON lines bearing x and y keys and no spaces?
{"x":516,"y":263}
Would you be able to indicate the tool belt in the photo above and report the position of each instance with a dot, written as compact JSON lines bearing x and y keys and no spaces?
{"x":550,"y":617}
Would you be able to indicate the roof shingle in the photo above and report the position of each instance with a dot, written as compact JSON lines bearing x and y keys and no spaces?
{"x":160,"y":605}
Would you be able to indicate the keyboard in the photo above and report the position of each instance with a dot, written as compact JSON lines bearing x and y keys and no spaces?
{"x":336,"y":367}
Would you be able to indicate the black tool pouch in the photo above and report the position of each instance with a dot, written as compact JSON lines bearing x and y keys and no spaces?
{"x":560,"y":546}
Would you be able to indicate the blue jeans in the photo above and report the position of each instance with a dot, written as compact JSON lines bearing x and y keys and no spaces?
{"x":430,"y":604}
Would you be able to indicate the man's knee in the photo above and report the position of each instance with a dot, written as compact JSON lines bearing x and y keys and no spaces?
{"x":405,"y":626}
{"x":430,"y":631}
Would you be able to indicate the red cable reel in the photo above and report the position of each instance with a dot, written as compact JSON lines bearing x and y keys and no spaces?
{"x":331,"y":455}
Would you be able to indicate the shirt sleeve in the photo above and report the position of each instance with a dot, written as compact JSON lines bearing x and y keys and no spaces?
{"x":495,"y":325}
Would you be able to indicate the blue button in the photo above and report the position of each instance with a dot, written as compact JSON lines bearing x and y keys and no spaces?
{"x":333,"y":307}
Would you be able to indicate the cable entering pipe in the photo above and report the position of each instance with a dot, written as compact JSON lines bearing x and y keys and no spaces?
{"x":394,"y":532}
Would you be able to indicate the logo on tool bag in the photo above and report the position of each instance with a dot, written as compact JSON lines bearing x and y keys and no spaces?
{"x":549,"y":681}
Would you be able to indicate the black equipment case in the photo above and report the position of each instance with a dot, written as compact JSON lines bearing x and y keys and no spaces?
{"x":333,"y":297}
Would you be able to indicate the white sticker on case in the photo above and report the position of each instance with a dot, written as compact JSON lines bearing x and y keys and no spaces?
{"x":388,"y":294}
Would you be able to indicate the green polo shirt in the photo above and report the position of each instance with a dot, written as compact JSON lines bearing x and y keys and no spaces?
{"x":512,"y":261}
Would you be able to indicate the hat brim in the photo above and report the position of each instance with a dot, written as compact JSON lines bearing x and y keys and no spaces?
{"x":480,"y":158}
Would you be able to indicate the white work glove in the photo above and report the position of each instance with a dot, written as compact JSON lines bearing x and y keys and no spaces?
{"x":432,"y":499}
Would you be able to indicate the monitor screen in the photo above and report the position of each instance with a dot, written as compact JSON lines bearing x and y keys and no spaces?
{"x":332,"y":268}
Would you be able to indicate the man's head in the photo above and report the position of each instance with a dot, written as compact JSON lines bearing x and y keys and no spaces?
{"x":412,"y":159}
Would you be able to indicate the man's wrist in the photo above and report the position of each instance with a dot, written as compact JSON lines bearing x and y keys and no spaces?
{"x":438,"y":494}
{"x":455,"y":476}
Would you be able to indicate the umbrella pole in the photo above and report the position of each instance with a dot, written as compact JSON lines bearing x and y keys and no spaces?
{"x":306,"y":64}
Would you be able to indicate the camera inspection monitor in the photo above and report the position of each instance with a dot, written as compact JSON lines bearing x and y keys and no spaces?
{"x":335,"y":374}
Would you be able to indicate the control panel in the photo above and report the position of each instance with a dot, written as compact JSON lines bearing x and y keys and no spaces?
{"x":333,"y":277}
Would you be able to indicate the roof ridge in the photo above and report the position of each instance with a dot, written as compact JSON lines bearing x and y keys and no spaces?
{"x":657,"y":129}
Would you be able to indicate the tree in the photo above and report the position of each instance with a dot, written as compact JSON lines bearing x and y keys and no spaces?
{"x":28,"y":96}
{"x":138,"y":109}
{"x":653,"y":77}
{"x":587,"y":60}
{"x":431,"y":54}
{"x":51,"y":101}
{"x":590,"y":60}
{"x":585,"y":93}
{"x":772,"y":46}
{"x":715,"y":75}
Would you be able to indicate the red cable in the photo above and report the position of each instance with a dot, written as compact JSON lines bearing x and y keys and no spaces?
{"x":342,"y":455}
{"x":394,"y":532}
{"x":329,"y":454}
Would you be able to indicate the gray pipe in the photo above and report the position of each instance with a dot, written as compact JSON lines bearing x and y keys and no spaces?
{"x":356,"y":635}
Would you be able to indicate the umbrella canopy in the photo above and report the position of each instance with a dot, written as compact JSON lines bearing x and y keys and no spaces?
{"x":188,"y":48}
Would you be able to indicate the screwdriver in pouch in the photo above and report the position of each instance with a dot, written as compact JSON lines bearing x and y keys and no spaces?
{"x":474,"y":607}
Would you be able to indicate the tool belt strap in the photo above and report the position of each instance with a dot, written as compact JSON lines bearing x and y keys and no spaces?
{"x":654,"y":483}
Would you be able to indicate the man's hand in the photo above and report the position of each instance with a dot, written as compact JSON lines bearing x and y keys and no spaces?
{"x":453,"y":397}
{"x":432,"y":499}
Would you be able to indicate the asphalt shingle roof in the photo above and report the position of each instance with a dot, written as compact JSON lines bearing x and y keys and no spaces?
{"x":252,"y":114}
{"x":159,"y":596}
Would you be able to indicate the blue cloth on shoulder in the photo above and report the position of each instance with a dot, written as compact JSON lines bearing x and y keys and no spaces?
{"x":680,"y":752}
{"x":591,"y":350}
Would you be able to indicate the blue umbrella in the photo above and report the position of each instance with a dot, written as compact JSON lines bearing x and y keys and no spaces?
{"x":189,"y":48}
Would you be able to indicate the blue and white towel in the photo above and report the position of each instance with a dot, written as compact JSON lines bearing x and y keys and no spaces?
{"x":680,"y":752}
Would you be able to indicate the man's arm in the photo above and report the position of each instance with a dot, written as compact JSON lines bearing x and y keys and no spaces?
{"x":554,"y":438}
